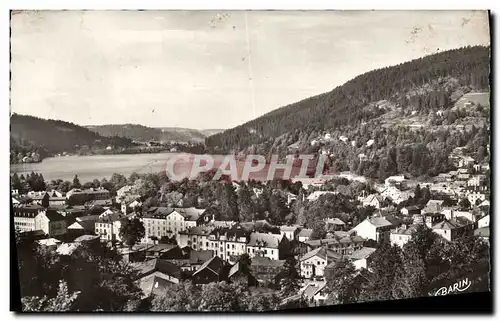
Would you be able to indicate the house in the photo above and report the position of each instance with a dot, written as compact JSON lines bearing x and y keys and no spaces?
{"x":84,"y":195}
{"x":454,"y":228}
{"x":304,"y":234}
{"x":374,"y":200}
{"x":273,"y":246}
{"x":313,"y":263}
{"x":157,"y":250}
{"x":127,"y":189}
{"x":397,"y":180}
{"x":375,"y":228}
{"x":213,"y":270}
{"x":164,"y":221}
{"x":136,"y":253}
{"x":474,"y":196}
{"x":130,"y":205}
{"x":298,"y":248}
{"x":196,"y":237}
{"x":433,"y":206}
{"x":174,"y":253}
{"x":51,"y":223}
{"x":483,"y":222}
{"x":156,"y":274}
{"x":411,"y":210}
{"x":395,"y":195}
{"x":197,"y":258}
{"x":24,"y":216}
{"x":334,"y":224}
{"x":51,"y":243}
{"x":431,"y":219}
{"x":108,"y":226}
{"x":83,"y":224}
{"x":401,"y":235}
{"x":239,"y":273}
{"x":315,"y":293}
{"x":229,"y":243}
{"x":291,"y":232}
{"x":343,"y":243}
{"x":476,"y":181}
{"x":361,"y":258}
{"x":314,"y":196}
{"x":267,"y":271}
{"x":483,"y":232}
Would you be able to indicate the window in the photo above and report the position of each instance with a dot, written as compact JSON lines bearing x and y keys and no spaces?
{"x":206,"y":244}
{"x":233,"y":246}
{"x":228,"y":246}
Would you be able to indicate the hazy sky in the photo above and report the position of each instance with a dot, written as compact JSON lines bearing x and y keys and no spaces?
{"x":207,"y":69}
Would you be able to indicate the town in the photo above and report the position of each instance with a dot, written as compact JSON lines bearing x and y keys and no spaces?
{"x":287,"y":238}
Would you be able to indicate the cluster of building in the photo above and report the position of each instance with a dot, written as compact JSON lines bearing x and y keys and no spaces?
{"x":188,"y":243}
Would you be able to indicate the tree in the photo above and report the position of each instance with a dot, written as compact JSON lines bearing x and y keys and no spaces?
{"x":278,"y":209}
{"x":76,"y":182}
{"x":118,"y":181}
{"x":64,"y":187}
{"x":131,"y":231}
{"x":245,"y":204}
{"x":464,"y":203}
{"x":181,"y":297}
{"x":46,"y":200}
{"x":15,"y":182}
{"x":410,"y":280}
{"x":341,"y":283}
{"x":62,"y":302}
{"x":245,"y":261}
{"x":289,"y":284}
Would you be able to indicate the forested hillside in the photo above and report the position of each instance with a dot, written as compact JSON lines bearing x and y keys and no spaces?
{"x":396,"y":119}
{"x":143,"y":133}
{"x":55,"y":136}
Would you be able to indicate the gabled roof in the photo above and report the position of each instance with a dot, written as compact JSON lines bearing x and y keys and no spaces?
{"x":405,"y":230}
{"x":323,"y":253}
{"x":446,"y":225}
{"x":482,"y":231}
{"x":370,"y":198}
{"x":264,"y":240}
{"x":54,"y":216}
{"x":200,"y":256}
{"x":335,"y":221}
{"x":362,"y":253}
{"x":86,"y":238}
{"x":379,"y":221}
{"x":67,"y":248}
{"x":49,"y":242}
{"x":305,"y":232}
{"x":215,"y":264}
{"x":190,"y":213}
{"x":159,"y":265}
{"x":313,"y":288}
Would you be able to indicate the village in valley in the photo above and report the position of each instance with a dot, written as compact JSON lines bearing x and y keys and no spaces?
{"x":158,"y":232}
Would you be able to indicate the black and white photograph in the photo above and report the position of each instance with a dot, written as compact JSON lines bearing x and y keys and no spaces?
{"x":248,"y":160}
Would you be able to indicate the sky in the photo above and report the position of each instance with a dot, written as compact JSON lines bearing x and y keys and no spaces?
{"x":210,"y":69}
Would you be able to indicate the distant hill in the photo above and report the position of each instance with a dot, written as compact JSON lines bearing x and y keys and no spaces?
{"x":405,"y":119}
{"x":143,"y":133}
{"x":56,"y":136}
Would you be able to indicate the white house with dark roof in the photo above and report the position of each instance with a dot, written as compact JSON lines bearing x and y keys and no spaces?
{"x":402,"y":235}
{"x":374,"y":228}
{"x":304,"y":234}
{"x":313,"y":263}
{"x":361,"y":258}
{"x":51,"y":223}
{"x":272,"y":246}
{"x":485,"y":221}
{"x":374,"y":200}
{"x":291,"y":232}
{"x":451,"y":229}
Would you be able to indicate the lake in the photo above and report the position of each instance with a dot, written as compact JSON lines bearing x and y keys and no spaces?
{"x":89,"y":168}
{"x":96,"y":166}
